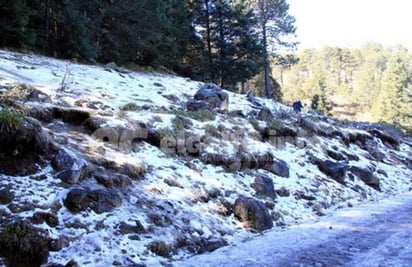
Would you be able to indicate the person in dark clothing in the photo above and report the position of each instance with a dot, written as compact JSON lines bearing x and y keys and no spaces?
{"x":297,"y":106}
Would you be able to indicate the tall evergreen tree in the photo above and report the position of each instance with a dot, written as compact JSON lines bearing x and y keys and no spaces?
{"x":234,"y":50}
{"x":276,"y":24}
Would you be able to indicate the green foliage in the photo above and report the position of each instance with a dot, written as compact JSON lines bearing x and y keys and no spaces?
{"x":178,"y":125}
{"x":166,"y":133}
{"x":371,"y":83}
{"x":234,"y":51}
{"x":202,"y":115}
{"x":199,"y":115}
{"x":251,"y":219}
{"x":320,"y":105}
{"x":275,"y":124}
{"x":9,"y":120}
{"x":158,"y":34}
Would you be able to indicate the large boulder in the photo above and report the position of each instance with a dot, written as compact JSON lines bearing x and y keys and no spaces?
{"x":71,"y":115}
{"x":390,"y":140}
{"x":22,"y":136}
{"x":104,"y":200}
{"x":21,"y":244}
{"x":209,"y":96}
{"x":253,"y":212}
{"x":77,"y":199}
{"x":366,"y":175}
{"x":23,"y":145}
{"x":276,"y":166}
{"x":99,"y":200}
{"x":335,"y":170}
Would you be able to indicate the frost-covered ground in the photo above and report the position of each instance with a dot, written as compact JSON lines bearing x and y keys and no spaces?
{"x":181,"y":200}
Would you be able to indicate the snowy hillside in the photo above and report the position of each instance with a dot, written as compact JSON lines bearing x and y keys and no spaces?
{"x":123,"y":174}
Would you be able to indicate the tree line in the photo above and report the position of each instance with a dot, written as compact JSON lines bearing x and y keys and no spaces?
{"x":224,"y":41}
{"x":372,"y":83}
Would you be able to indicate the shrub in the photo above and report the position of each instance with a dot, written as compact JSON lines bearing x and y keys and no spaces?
{"x":9,"y":120}
{"x":199,"y":115}
{"x":275,"y":124}
{"x":202,"y":115}
{"x":178,"y":124}
{"x":160,"y":248}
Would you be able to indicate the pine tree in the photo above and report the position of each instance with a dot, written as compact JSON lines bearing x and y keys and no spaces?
{"x":275,"y":24}
{"x":234,"y":51}
{"x":393,"y":105}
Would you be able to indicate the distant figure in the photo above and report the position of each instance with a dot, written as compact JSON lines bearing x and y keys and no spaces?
{"x":297,"y":106}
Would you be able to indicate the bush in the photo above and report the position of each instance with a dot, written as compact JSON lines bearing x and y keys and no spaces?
{"x":23,"y":245}
{"x":160,"y":248}
{"x":275,"y":124}
{"x":9,"y":120}
{"x":199,"y":115}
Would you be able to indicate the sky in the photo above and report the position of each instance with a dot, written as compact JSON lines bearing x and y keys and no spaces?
{"x":352,"y":23}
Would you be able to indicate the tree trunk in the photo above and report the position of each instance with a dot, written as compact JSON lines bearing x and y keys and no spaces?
{"x":208,"y":39}
{"x":46,"y":42}
{"x":268,"y":88}
{"x":221,"y":45}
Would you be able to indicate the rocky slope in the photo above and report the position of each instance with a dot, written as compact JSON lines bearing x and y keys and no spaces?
{"x":103,"y":166}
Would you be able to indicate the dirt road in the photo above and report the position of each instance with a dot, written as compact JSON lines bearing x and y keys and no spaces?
{"x":376,"y":234}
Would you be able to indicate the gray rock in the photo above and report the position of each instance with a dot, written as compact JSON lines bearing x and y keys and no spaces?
{"x":44,"y":114}
{"x":265,"y":115}
{"x":209,"y":245}
{"x":367,"y":176}
{"x":280,"y":168}
{"x":388,"y":139}
{"x":104,"y":200}
{"x":70,"y":176}
{"x":195,"y":105}
{"x":214,"y":96}
{"x":6,"y":195}
{"x":24,"y":137}
{"x":253,"y":212}
{"x":335,"y":170}
{"x":71,"y":115}
{"x":62,"y":161}
{"x":77,"y":199}
{"x":263,"y":186}
{"x":336,"y":155}
{"x":283,"y":192}
{"x":23,"y":146}
{"x":99,"y":200}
